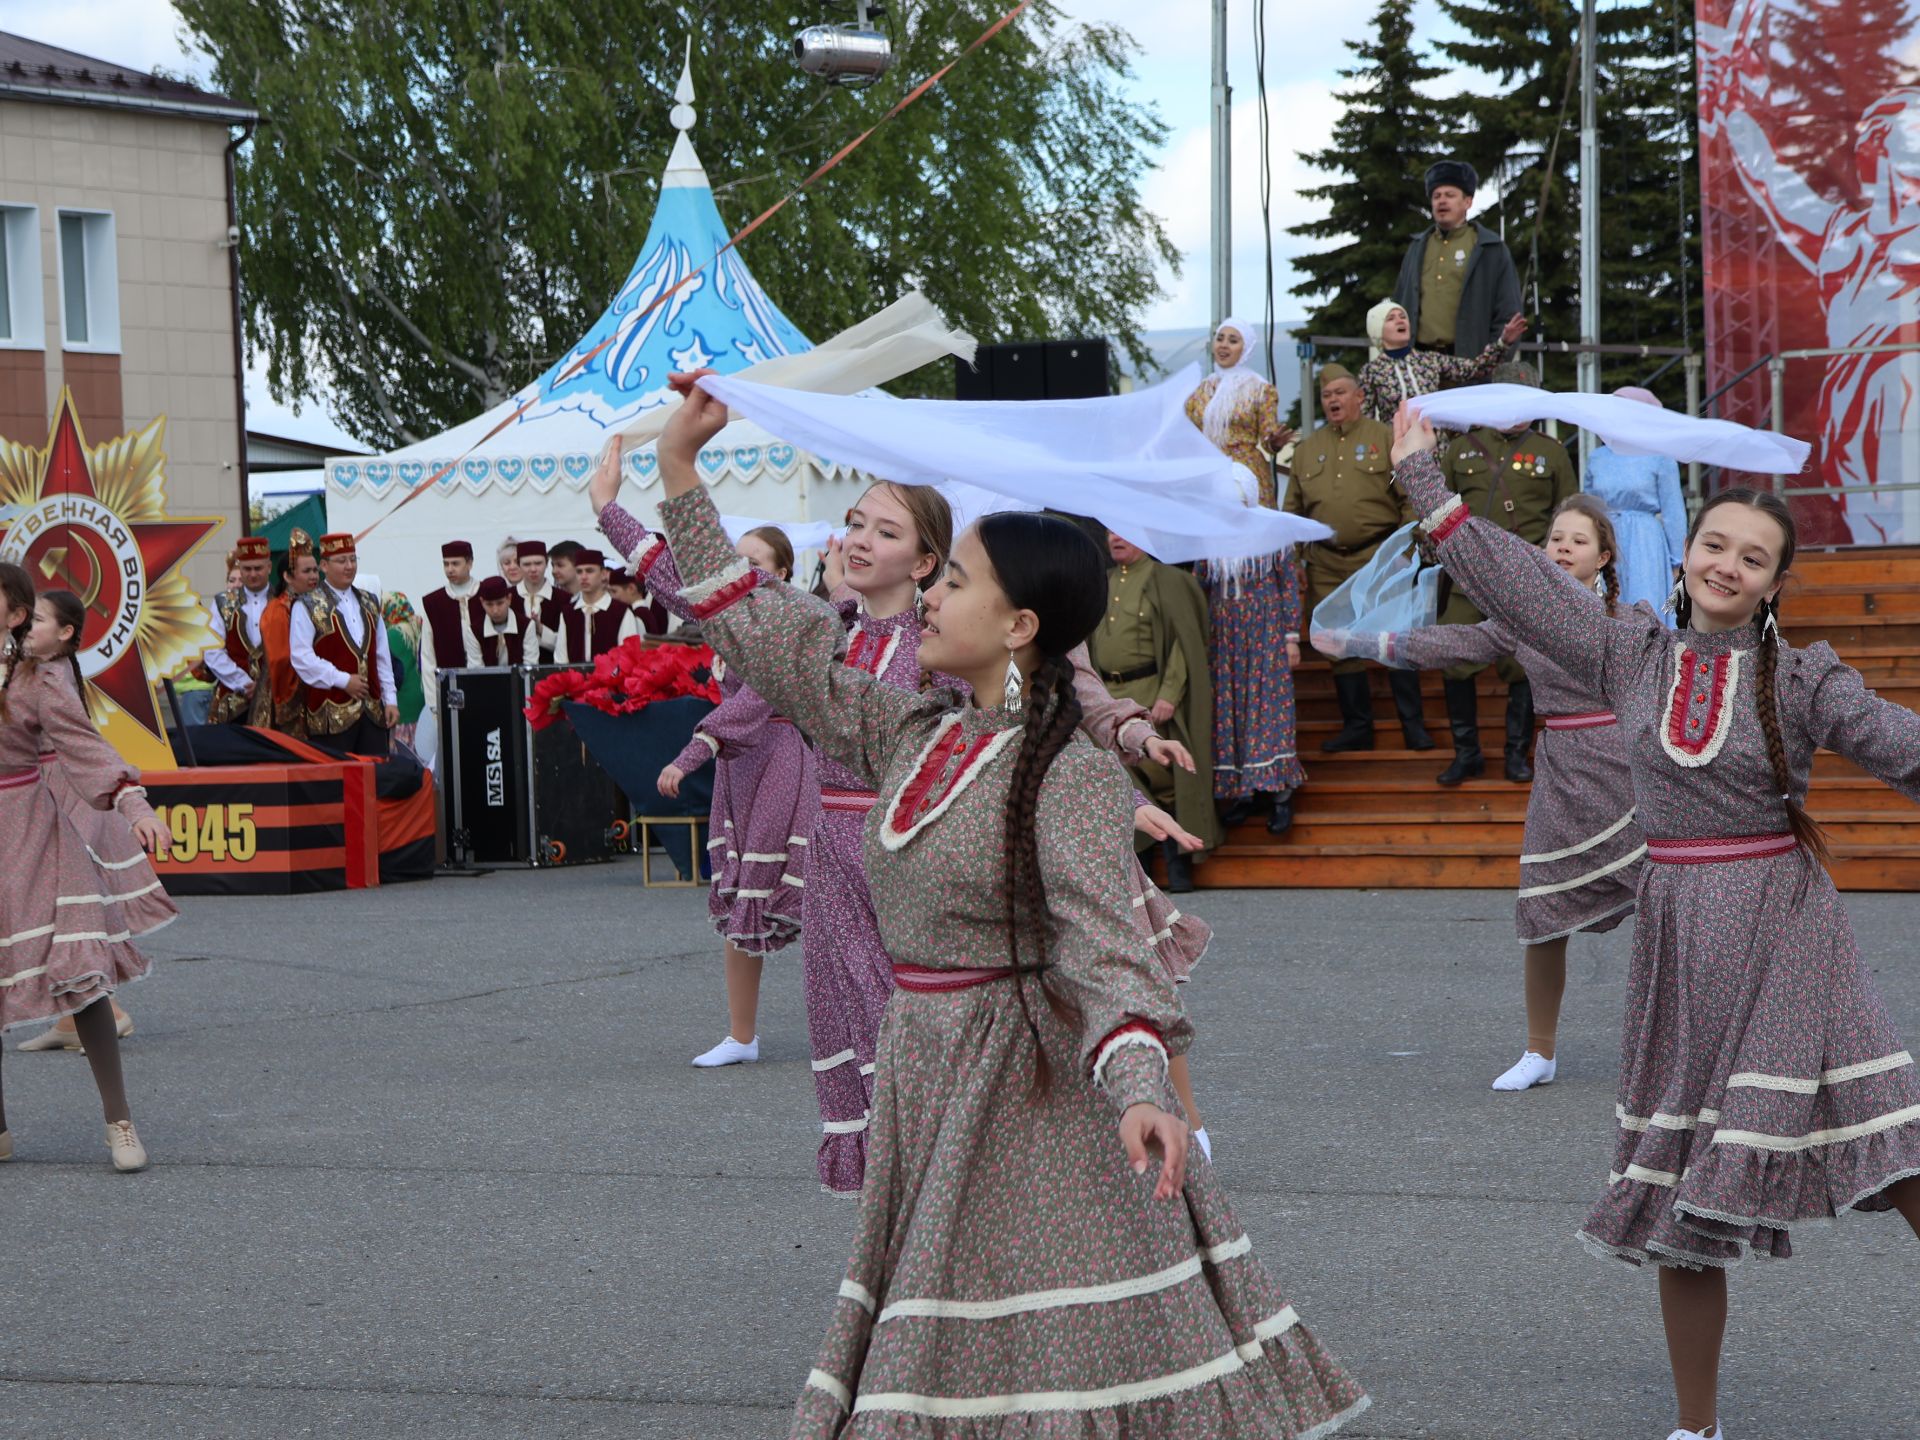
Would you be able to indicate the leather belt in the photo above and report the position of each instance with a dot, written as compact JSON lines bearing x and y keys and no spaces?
{"x":1124,"y":677}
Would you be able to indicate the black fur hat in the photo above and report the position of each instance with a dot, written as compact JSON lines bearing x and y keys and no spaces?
{"x":1453,"y":172}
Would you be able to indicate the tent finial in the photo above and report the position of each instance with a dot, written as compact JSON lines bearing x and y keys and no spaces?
{"x":683,"y":114}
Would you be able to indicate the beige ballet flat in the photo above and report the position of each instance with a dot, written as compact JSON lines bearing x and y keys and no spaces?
{"x":6,"y":1145}
{"x":124,"y":1026}
{"x":53,"y":1038}
{"x":129,"y":1154}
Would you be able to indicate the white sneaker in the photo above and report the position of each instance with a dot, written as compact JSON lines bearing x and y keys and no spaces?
{"x":1712,"y":1432}
{"x":1206,"y":1145}
{"x":1531,"y":1070}
{"x":730,"y":1052}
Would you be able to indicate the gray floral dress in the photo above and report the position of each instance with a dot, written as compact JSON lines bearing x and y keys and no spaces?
{"x":1011,"y":1275}
{"x":1762,"y":1082}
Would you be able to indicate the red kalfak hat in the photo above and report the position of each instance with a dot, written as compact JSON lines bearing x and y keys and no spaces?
{"x":338,"y":543}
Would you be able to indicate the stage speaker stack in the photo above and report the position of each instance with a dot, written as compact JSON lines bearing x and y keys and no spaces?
{"x":514,"y":795}
{"x":1034,"y":370}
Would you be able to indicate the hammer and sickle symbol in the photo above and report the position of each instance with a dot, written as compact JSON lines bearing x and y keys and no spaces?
{"x":53,"y":565}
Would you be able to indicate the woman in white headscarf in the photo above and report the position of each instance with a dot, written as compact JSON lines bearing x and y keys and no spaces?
{"x":1395,"y":371}
{"x":1254,"y":605}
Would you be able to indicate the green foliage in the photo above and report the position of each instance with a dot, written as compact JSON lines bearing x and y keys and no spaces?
{"x":1379,"y":150}
{"x":446,"y":193}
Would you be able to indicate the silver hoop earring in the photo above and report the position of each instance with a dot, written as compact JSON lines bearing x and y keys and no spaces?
{"x":1015,"y":686}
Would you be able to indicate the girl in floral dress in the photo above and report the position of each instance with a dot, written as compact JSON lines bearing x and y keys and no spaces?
{"x":1035,"y":1249}
{"x":766,"y":806}
{"x":1582,"y":852}
{"x":1254,"y":605}
{"x":1763,"y":1083}
{"x":67,"y":946}
{"x":130,"y":882}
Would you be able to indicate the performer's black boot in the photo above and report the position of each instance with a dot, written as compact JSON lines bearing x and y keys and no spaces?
{"x":1356,"y":714}
{"x":1519,"y":731}
{"x":1235,"y":812}
{"x":1463,"y":718}
{"x":1179,"y":869}
{"x":1281,"y":820}
{"x":1405,"y":685}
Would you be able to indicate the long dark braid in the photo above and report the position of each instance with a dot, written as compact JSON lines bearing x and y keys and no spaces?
{"x":1051,"y":568}
{"x":71,"y":615}
{"x":16,"y":593}
{"x":1805,"y":828}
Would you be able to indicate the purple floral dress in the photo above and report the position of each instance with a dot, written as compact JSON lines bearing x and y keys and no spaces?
{"x":1254,"y":608}
{"x":1763,"y":1083}
{"x":1010,"y":1274}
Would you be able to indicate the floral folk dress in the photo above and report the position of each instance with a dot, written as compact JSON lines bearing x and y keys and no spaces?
{"x":1010,"y":1275}
{"x":1763,"y":1083}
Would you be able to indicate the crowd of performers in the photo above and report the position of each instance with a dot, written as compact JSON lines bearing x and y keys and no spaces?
{"x":320,"y":656}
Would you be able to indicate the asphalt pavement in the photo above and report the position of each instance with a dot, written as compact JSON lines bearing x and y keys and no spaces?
{"x":430,"y":1162}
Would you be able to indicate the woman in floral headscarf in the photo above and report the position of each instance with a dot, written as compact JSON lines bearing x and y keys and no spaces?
{"x":403,"y":638}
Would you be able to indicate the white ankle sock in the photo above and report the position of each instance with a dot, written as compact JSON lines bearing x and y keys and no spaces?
{"x":729,"y":1052}
{"x":1712,"y":1432}
{"x":1200,"y":1139}
{"x":1530,"y":1070}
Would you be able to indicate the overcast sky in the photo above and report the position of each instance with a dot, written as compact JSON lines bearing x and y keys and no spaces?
{"x":1307,"y":44}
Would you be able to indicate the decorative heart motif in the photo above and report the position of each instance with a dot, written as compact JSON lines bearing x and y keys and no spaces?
{"x":578,"y":466}
{"x":346,"y":472}
{"x":543,"y":466}
{"x":781,"y":457}
{"x":412,"y":472}
{"x":746,"y":459}
{"x":378,"y":472}
{"x":713,"y":461}
{"x":476,"y":469}
{"x":644,"y":462}
{"x":509,"y":468}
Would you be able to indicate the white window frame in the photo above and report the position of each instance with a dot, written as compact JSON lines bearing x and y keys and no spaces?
{"x":101,"y":242}
{"x":26,"y":285}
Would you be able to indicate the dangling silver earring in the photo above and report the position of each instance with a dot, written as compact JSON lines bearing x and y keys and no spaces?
{"x":1015,"y":687}
{"x":1600,"y":583}
{"x":1770,"y":627}
{"x":1679,"y":593}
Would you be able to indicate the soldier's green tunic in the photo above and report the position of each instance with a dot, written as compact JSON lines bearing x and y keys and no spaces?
{"x":1517,"y":482}
{"x":1443,"y":276}
{"x":1342,"y":477}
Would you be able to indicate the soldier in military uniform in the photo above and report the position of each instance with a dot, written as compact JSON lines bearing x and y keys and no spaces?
{"x":339,"y":645}
{"x":238,"y":660}
{"x":1342,"y":476}
{"x":1516,"y":479}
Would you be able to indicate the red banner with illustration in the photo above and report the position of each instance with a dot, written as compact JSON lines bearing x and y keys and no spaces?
{"x":1810,"y":187}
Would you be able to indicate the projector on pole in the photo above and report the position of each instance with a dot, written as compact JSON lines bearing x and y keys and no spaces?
{"x":854,"y":55}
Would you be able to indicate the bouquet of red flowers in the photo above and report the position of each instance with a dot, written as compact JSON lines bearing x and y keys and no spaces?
{"x":627,"y":679}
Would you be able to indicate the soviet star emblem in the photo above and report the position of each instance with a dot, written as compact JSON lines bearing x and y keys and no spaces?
{"x":94,"y":520}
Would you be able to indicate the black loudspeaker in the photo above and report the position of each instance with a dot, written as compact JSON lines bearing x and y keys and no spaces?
{"x":1020,"y":371}
{"x":975,"y":381}
{"x":514,"y":795}
{"x":1076,"y":369}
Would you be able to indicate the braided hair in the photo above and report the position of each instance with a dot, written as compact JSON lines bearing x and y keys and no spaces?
{"x":1596,"y":513}
{"x":1767,"y":665}
{"x":69,"y":614}
{"x":1052,"y":568}
{"x":16,"y":593}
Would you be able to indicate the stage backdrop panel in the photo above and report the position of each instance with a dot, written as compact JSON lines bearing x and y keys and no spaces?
{"x":1810,"y":188}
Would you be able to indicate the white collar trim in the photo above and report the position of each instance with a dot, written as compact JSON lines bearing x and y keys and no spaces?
{"x":894,"y":839}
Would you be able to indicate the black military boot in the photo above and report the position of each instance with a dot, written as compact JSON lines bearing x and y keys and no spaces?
{"x":1519,"y":731}
{"x":1281,"y":820}
{"x":1179,"y":869}
{"x":1463,"y":718}
{"x":1356,"y":714}
{"x":1405,"y":685}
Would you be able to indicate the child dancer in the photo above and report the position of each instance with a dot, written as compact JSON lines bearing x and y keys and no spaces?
{"x":67,"y":943}
{"x":1763,"y":1083}
{"x":1016,"y":1268}
{"x":1582,"y":853}
{"x":766,"y":804}
{"x":128,"y":875}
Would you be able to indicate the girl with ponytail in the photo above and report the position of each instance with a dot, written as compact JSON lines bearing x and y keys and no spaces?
{"x":1023,"y":1136}
{"x":1581,"y":853}
{"x":126,"y":873}
{"x":67,"y":938}
{"x":1763,"y":1082}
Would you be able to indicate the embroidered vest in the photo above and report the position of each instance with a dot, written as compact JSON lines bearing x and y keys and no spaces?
{"x":331,"y":712}
{"x":254,"y":707}
{"x":451,"y":620}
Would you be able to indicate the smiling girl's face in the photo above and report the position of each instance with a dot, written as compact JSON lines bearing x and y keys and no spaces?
{"x":1733,"y":565}
{"x":882,"y":549}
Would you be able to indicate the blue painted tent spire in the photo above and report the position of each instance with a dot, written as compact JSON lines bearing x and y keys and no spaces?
{"x":721,"y":317}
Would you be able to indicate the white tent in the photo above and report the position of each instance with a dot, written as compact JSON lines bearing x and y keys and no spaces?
{"x":530,"y":480}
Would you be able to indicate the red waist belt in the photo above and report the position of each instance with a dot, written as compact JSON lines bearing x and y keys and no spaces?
{"x":1590,"y":720}
{"x":920,"y":978}
{"x":47,"y":757}
{"x":858,"y":801}
{"x":14,"y":779}
{"x":1718,"y":850}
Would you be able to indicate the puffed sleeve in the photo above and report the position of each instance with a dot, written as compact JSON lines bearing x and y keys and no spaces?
{"x":785,"y":644}
{"x":1131,"y":1019}
{"x":1434,"y":647}
{"x":1122,"y":726}
{"x":1882,"y":738}
{"x":94,"y":768}
{"x":731,"y":726}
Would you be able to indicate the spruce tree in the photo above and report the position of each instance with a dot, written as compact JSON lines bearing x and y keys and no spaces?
{"x":1380,"y":149}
